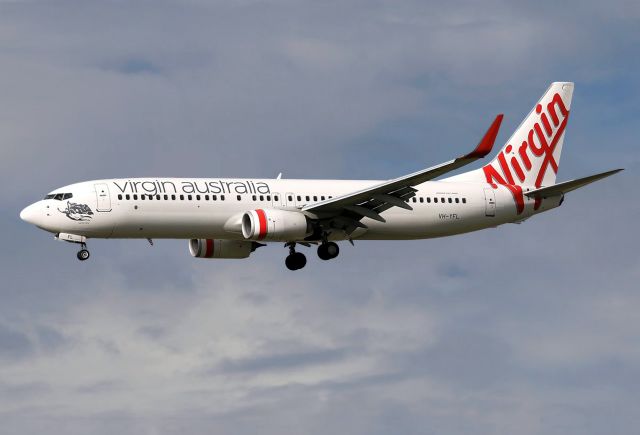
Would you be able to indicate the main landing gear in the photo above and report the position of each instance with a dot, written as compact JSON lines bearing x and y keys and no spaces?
{"x":295,"y":260}
{"x":328,"y":250}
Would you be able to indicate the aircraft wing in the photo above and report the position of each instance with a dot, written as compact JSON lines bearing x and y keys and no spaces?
{"x":372,"y":201}
{"x":568,"y":186}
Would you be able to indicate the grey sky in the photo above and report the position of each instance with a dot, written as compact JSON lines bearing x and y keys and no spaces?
{"x":529,"y":329}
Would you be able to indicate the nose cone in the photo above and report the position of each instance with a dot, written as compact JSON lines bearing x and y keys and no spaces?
{"x":30,"y":214}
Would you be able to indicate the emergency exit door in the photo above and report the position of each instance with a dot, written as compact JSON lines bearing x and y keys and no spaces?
{"x":489,"y":202}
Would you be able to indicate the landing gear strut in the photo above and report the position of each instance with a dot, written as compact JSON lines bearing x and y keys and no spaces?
{"x":83,"y":254}
{"x":295,"y":260}
{"x":328,"y":250}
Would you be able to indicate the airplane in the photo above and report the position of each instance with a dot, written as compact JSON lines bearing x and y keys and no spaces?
{"x":231,"y":218}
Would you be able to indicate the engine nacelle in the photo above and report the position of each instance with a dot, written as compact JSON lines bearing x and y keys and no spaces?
{"x":217,"y":248}
{"x":271,"y":224}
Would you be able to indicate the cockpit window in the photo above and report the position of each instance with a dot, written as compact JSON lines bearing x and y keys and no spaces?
{"x":59,"y":196}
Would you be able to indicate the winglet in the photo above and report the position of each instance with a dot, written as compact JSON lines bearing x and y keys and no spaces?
{"x":485,"y":145}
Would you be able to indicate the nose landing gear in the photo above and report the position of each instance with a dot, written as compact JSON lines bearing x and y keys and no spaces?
{"x":83,"y":254}
{"x":295,"y":260}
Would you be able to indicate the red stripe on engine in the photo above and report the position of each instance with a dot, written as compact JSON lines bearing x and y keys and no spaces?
{"x":209,"y":252}
{"x":262,"y":222}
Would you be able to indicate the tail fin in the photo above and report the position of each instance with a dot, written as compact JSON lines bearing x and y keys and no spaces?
{"x":531,"y":156}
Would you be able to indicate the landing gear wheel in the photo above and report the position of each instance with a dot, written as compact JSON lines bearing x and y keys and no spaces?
{"x":83,"y":255}
{"x":328,"y":250}
{"x":295,"y":261}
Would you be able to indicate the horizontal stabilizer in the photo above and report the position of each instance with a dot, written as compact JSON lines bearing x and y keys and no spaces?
{"x":568,"y":186}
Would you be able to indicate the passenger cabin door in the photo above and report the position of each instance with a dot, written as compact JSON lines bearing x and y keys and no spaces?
{"x":490,"y":202}
{"x":103,"y":198}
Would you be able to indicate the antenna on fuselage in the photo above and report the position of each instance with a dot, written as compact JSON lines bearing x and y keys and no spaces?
{"x":279,"y":176}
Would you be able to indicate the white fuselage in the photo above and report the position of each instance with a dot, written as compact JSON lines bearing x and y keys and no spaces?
{"x":213,"y":208}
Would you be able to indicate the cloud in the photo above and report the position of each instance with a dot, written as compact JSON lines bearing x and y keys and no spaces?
{"x":13,"y":344}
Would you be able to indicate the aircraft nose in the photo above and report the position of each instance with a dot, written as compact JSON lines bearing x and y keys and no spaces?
{"x":30,"y":214}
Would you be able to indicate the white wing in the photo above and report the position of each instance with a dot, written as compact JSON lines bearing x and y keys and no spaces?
{"x":347,"y":210}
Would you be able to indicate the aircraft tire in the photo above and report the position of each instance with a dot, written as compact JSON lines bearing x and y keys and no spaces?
{"x":332,"y":249}
{"x":322,"y":252}
{"x":83,"y":255}
{"x":328,"y":251}
{"x":295,"y":261}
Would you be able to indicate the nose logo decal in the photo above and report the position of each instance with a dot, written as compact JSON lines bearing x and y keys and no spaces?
{"x":77,"y":212}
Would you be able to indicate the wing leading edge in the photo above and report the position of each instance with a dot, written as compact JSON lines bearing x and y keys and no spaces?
{"x":347,"y":210}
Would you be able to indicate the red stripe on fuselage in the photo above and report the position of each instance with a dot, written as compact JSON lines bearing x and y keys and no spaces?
{"x":262,"y":223}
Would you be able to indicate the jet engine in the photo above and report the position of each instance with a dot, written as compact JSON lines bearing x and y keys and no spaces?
{"x":270,"y":224}
{"x":220,"y":248}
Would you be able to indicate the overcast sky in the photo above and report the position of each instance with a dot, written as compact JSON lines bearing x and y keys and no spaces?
{"x":527,"y":329}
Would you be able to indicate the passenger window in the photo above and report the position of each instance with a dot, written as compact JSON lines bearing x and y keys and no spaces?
{"x":166,"y":197}
{"x":315,"y":198}
{"x":120,"y":197}
{"x":189,"y":197}
{"x":421,"y":199}
{"x":239,"y":197}
{"x":442,"y":200}
{"x":206,"y":197}
{"x":127,"y":197}
{"x":275,"y":198}
{"x":261,"y":197}
{"x":135,"y":197}
{"x":290,"y":198}
{"x":214,"y":197}
{"x":254,"y":197}
{"x":464,"y":200}
{"x":173,"y":197}
{"x":268,"y":197}
{"x":198,"y":197}
{"x":299,"y":198}
{"x":457,"y":200}
{"x":450,"y":200}
{"x":141,"y":197}
{"x":181,"y":197}
{"x":435,"y":200}
{"x":428,"y":199}
{"x":158,"y":197}
{"x":414,"y":199}
{"x":221,"y":197}
{"x":307,"y":197}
